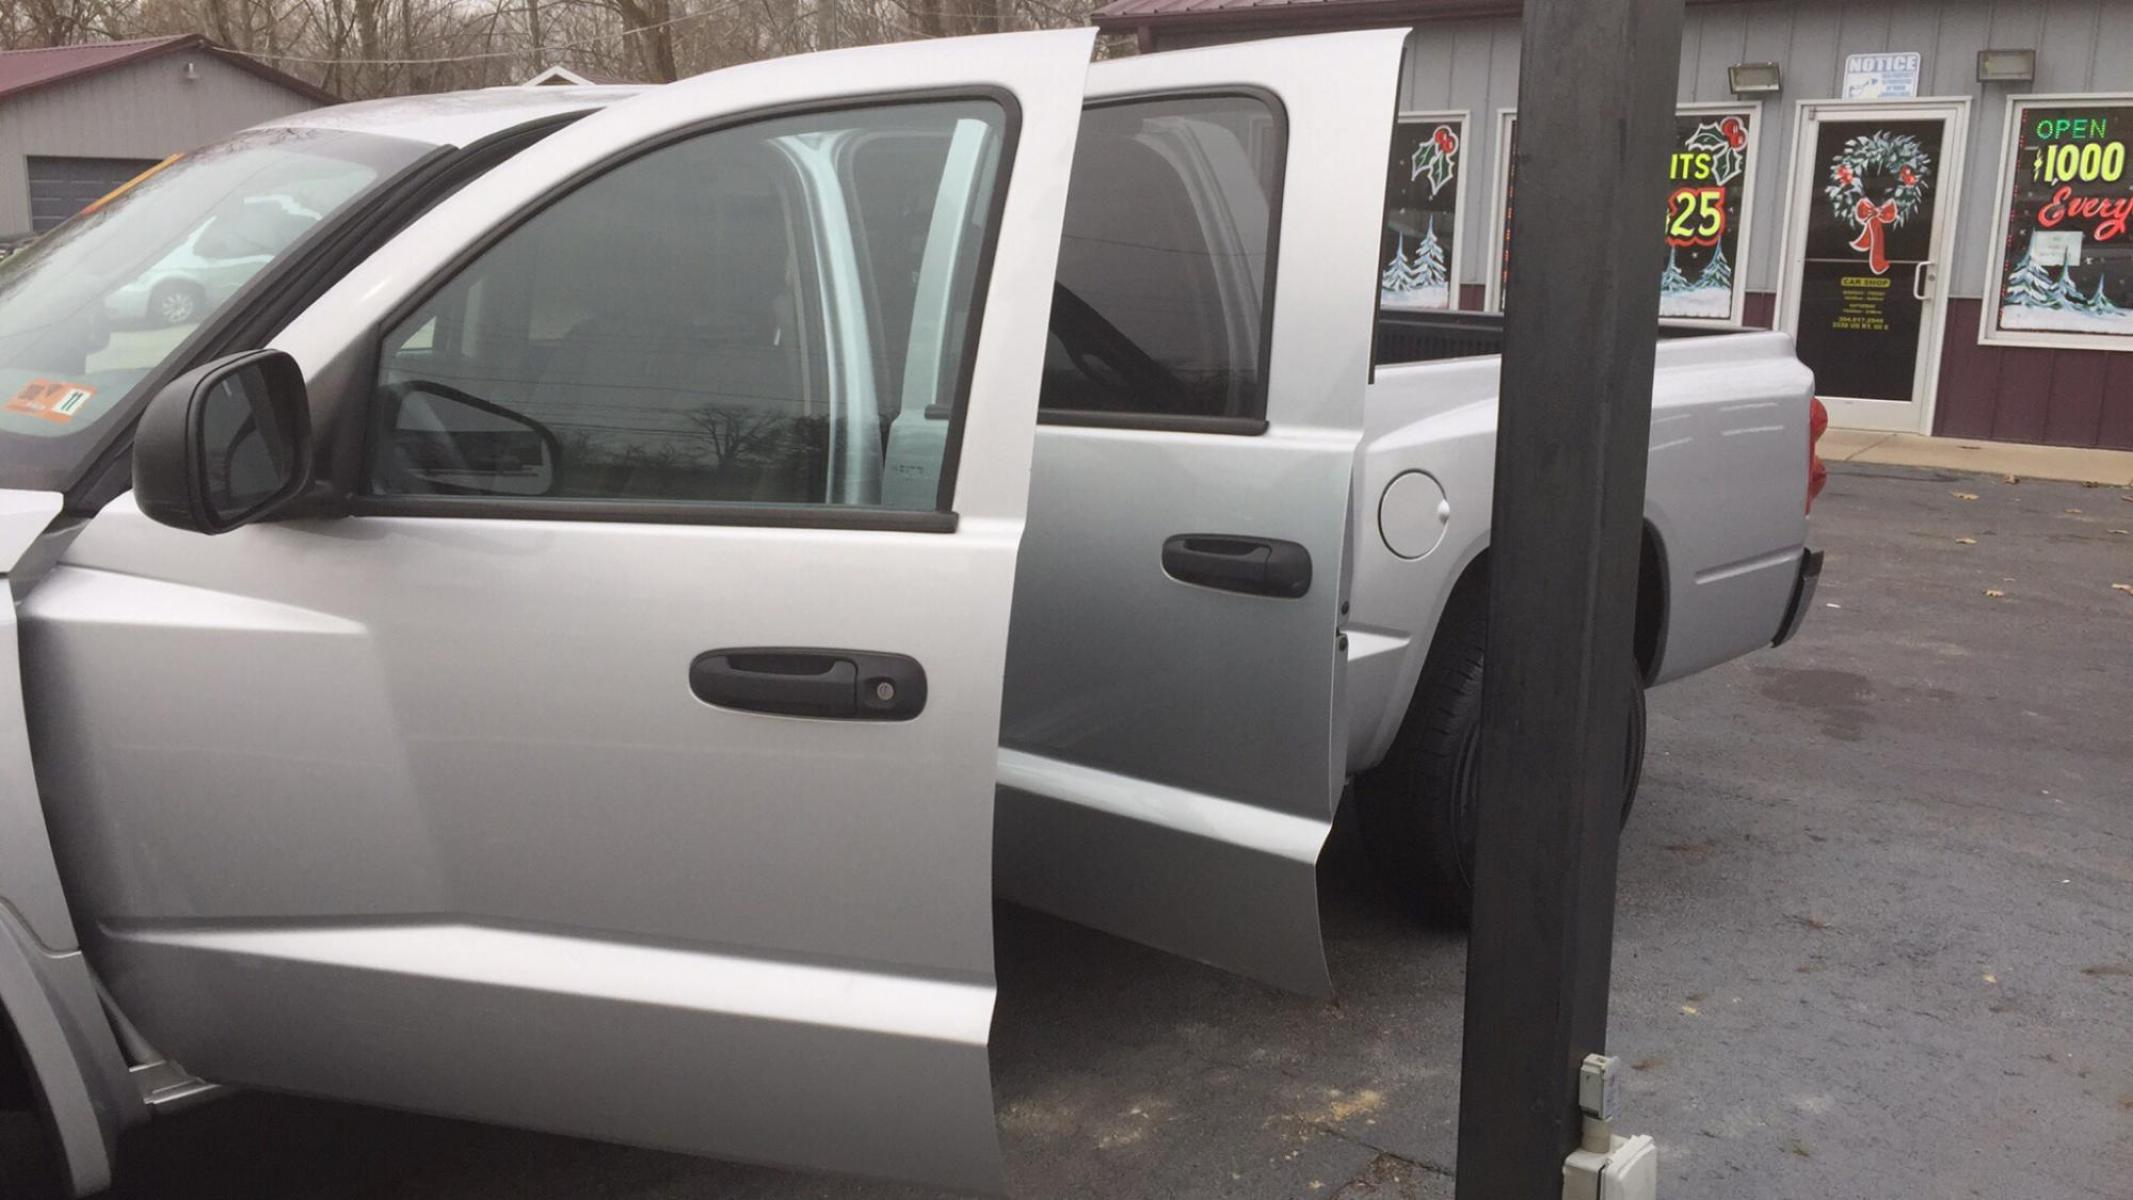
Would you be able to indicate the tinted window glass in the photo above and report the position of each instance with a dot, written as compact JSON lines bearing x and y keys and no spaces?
{"x":1167,"y":262}
{"x":772,"y":314}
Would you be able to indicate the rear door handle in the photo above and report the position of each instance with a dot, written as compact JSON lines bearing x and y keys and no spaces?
{"x":1252,"y":565}
{"x":850,"y":685}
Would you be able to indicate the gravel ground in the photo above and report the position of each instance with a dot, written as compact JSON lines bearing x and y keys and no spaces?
{"x":1875,"y":940}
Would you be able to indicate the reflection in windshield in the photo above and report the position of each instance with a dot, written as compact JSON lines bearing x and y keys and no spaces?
{"x":88,"y":310}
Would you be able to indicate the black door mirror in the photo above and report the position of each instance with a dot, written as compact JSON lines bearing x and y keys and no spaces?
{"x":225,"y":444}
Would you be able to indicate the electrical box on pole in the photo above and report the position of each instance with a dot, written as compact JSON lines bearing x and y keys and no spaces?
{"x":1595,"y":106}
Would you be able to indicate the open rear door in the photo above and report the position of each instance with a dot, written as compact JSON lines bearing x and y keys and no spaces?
{"x":1171,"y":756}
{"x":620,"y":763}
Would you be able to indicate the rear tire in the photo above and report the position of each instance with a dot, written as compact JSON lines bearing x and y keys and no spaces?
{"x":1418,"y":807}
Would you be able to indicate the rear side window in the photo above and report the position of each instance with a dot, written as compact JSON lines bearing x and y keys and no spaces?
{"x":774,"y":314}
{"x":1167,"y":263}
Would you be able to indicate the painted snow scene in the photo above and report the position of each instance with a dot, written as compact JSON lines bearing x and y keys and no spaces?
{"x":2044,"y":299}
{"x":1421,"y":215}
{"x":1709,"y":296}
{"x":1416,"y":277}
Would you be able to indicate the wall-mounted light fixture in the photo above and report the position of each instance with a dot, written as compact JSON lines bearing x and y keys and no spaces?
{"x":2006,"y":66}
{"x":1755,"y":79}
{"x":192,"y":71}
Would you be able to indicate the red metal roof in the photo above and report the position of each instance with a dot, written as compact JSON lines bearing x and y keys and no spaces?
{"x":1127,"y":13}
{"x":26,"y":70}
{"x":1123,"y":15}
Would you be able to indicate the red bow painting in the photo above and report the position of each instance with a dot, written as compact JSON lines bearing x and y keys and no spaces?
{"x":1872,"y":222}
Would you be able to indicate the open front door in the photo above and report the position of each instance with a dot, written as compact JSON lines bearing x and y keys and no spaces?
{"x":1170,"y":760}
{"x":623,"y":764}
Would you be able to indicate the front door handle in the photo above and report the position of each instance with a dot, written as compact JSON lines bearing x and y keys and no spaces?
{"x":850,"y":685}
{"x":1919,"y":275}
{"x":1252,"y":565}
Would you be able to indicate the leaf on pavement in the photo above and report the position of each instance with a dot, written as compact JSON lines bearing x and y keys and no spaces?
{"x":1964,"y":495}
{"x":1994,"y":593}
{"x":1966,"y":541}
{"x":2010,"y":479}
{"x":2127,"y":588}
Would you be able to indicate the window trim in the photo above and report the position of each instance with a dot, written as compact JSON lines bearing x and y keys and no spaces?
{"x":942,"y":518}
{"x":1231,"y":426}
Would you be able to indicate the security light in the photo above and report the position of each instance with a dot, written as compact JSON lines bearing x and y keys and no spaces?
{"x":1754,"y":79}
{"x":2006,"y":66}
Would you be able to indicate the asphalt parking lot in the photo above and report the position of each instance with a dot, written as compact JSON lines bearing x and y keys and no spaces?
{"x":1875,"y":940}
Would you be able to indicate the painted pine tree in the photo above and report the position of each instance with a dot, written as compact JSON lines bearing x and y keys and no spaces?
{"x":1398,"y":275}
{"x":2028,"y":285}
{"x":1427,"y":266}
{"x":1673,"y":282}
{"x":1717,"y":274}
{"x":2100,"y":305}
{"x":2063,"y":294}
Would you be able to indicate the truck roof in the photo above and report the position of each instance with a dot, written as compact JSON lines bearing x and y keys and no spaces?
{"x":457,"y":118}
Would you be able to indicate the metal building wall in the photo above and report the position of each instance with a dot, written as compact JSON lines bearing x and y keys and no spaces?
{"x":138,"y":110}
{"x":2082,"y":46}
{"x":2076,"y":397}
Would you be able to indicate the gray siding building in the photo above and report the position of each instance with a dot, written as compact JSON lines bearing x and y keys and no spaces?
{"x":2012,"y":236}
{"x":77,"y":121}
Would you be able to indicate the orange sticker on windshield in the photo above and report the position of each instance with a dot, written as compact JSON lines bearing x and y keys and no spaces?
{"x":51,"y":399}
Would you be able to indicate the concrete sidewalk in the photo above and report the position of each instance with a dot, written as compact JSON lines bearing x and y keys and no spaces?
{"x":2113,"y":467}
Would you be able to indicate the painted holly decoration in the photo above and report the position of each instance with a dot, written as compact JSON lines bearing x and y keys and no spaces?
{"x":1884,"y":154}
{"x":1436,"y":159}
{"x":1725,"y":142}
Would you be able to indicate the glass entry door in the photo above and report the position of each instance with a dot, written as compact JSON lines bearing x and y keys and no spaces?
{"x":1874,"y":188}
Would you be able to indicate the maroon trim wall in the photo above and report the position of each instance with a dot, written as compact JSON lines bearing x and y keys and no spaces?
{"x":2030,"y":394}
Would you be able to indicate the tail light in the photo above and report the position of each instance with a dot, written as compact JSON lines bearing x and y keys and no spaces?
{"x":1817,"y":474}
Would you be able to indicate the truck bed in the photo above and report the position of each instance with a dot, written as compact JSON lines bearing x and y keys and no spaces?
{"x":1408,"y":335}
{"x":1724,"y":500}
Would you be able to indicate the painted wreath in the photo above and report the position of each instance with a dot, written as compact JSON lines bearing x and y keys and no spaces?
{"x":1884,"y":153}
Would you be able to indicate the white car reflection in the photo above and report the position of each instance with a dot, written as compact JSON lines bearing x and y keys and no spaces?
{"x":211,"y":263}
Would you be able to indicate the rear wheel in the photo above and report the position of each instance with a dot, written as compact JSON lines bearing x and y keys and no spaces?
{"x":1419,"y":808}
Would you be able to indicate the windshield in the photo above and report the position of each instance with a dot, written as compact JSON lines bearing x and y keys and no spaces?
{"x":94,"y":306}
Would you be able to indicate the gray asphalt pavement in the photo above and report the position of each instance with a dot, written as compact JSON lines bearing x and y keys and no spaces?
{"x":1875,"y":940}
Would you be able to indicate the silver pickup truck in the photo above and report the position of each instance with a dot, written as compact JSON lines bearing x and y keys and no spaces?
{"x":678,"y":555}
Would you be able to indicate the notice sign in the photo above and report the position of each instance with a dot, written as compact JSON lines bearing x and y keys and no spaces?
{"x":1422,"y":214}
{"x":1869,"y":236}
{"x":1882,"y":76}
{"x":1707,"y":192}
{"x":2065,"y":255}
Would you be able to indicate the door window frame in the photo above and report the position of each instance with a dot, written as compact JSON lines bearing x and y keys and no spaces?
{"x":1234,"y":426}
{"x":1947,"y":215}
{"x":357,"y":433}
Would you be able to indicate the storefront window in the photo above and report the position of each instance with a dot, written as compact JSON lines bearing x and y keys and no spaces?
{"x":2063,"y":264}
{"x":1418,"y":254}
{"x":1709,"y":173}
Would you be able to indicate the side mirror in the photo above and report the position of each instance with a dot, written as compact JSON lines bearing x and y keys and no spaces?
{"x":224,"y":444}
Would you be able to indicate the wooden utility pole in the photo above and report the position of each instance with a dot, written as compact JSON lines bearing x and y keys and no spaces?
{"x":1595,"y":116}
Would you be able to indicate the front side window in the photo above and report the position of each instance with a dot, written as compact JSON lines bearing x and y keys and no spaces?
{"x":1167,"y":262}
{"x":771,"y":314}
